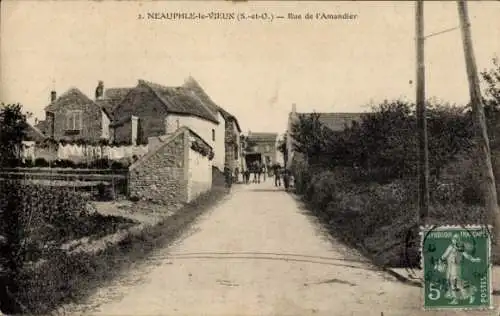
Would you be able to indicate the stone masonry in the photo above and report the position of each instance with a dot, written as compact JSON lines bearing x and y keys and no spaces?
{"x":231,"y":148}
{"x":161,"y":175}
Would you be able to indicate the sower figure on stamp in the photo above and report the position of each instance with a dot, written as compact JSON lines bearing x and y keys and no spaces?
{"x":453,"y":256}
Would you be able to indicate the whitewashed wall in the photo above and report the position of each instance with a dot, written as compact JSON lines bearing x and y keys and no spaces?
{"x":220,"y":144}
{"x":77,"y":151}
{"x":204,"y":129}
{"x":199,"y":174}
{"x":28,"y":150}
{"x":105,"y":126}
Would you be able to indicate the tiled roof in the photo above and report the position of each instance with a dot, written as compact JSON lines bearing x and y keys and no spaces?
{"x":180,"y":100}
{"x":228,"y":116}
{"x":72,"y":96}
{"x":33,"y":133}
{"x":112,"y":97}
{"x":41,"y":126}
{"x":116,"y":93}
{"x":263,"y":137}
{"x":191,"y":84}
{"x":337,"y":121}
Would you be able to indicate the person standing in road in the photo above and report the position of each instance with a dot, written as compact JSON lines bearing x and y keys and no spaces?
{"x":286,"y":179}
{"x":264,"y":171}
{"x":236,"y":174}
{"x":277,"y":176}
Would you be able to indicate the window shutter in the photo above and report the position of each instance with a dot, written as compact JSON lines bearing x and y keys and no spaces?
{"x":80,"y":120}
{"x":70,"y":121}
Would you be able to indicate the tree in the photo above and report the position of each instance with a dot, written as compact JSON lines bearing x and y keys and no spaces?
{"x":491,"y":101}
{"x":282,"y":148}
{"x":13,"y":126}
{"x":12,"y":131}
{"x":309,"y":136}
{"x":383,"y":145}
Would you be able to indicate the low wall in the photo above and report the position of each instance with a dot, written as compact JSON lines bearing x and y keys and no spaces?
{"x":160,"y":175}
{"x":79,"y":153}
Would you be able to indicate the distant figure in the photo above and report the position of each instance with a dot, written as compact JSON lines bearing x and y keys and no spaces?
{"x":277,"y":176}
{"x":286,"y":179}
{"x":247,"y":176}
{"x":236,"y":174}
{"x":264,"y":171}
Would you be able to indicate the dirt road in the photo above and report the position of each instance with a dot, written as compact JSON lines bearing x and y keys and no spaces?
{"x":257,"y":253}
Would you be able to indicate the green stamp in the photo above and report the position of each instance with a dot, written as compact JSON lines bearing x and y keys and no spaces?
{"x":456,"y":265}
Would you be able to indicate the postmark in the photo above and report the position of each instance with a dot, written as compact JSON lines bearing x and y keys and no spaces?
{"x":457,"y":268}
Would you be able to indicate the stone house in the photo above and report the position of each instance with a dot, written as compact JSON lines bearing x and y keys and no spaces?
{"x":334,"y":121}
{"x":227,"y":153}
{"x":74,"y":116}
{"x":264,"y":148}
{"x":232,"y":142}
{"x":151,"y":110}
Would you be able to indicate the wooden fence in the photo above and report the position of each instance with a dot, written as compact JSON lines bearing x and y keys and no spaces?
{"x":114,"y":180}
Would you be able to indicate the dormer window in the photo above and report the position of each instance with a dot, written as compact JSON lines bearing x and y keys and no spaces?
{"x":213,"y":135}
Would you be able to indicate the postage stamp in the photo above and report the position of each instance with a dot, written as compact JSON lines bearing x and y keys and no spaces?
{"x":456,"y":265}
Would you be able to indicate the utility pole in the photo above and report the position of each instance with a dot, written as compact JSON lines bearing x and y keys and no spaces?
{"x":423,"y":154}
{"x":488,"y":178}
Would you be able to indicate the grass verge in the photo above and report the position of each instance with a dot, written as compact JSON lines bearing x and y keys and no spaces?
{"x":69,"y":278}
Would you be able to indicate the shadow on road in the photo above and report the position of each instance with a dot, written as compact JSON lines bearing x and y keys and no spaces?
{"x":274,"y":254}
{"x":272,"y":258}
{"x":267,"y":190}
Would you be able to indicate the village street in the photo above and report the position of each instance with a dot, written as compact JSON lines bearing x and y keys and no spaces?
{"x":256,"y":253}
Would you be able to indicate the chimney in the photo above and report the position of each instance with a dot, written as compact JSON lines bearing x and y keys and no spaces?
{"x":53,"y":96}
{"x":294,"y":108}
{"x":99,"y":91}
{"x":135,"y":127}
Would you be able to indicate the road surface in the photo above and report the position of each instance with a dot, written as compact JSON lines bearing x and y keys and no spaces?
{"x":256,"y":253}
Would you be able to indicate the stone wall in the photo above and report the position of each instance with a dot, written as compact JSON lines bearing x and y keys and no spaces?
{"x":230,"y":140}
{"x":91,"y":129}
{"x":161,"y":175}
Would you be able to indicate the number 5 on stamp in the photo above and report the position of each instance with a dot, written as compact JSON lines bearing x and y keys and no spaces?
{"x":456,"y":265}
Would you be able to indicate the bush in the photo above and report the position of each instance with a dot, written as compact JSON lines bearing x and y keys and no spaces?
{"x":63,"y":163}
{"x":115,"y":165}
{"x":105,"y":192}
{"x":378,"y":219}
{"x":28,"y":163}
{"x":44,"y":213}
{"x":41,"y":162}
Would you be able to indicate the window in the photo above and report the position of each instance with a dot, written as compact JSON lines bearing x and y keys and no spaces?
{"x":74,"y":121}
{"x":236,"y":149}
{"x":213,"y":135}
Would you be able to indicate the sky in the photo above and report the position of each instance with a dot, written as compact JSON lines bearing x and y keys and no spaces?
{"x":254,"y":69}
